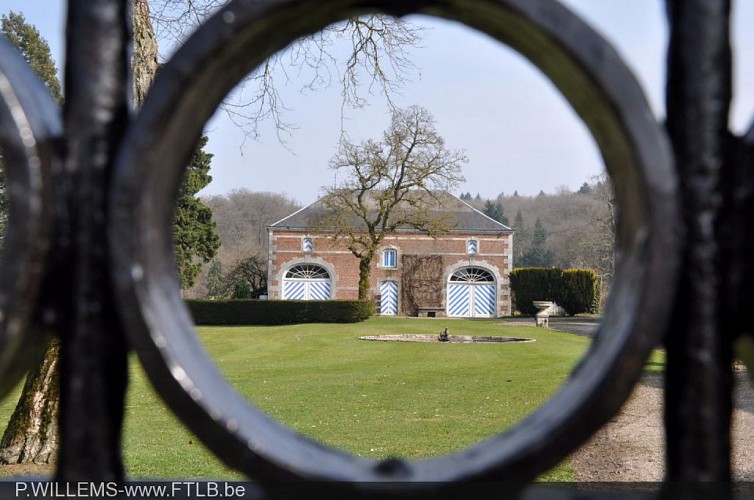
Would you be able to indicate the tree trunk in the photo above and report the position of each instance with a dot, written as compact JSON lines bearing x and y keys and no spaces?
{"x":144,"y":61}
{"x":365,"y":268}
{"x":32,"y":432}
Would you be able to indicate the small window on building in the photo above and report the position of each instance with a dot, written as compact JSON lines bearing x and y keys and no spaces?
{"x":390,"y":258}
{"x":472,"y":247}
{"x":308,"y":245}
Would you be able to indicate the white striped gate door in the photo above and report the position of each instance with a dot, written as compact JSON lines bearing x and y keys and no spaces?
{"x":471,"y":293}
{"x":307,"y":282}
{"x":389,"y":298}
{"x":306,"y":290}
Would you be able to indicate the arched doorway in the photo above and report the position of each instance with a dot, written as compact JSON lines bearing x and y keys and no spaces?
{"x":471,"y":293}
{"x":307,"y":282}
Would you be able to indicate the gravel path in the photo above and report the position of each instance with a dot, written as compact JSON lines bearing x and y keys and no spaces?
{"x":630,"y":447}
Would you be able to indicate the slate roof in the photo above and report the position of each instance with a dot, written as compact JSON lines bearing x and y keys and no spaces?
{"x":461,"y":216}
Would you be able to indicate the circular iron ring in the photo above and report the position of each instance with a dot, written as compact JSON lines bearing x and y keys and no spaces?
{"x":238,"y":39}
{"x":29,"y":128}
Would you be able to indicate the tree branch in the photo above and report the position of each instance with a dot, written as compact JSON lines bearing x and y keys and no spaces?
{"x":379,"y":55}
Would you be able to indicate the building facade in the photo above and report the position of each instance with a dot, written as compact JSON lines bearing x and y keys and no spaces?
{"x":463,"y":272}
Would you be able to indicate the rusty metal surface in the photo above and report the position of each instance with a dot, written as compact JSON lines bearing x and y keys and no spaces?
{"x":91,"y":218}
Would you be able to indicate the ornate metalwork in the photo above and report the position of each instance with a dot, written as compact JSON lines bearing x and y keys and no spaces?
{"x":101,"y":239}
{"x":307,"y":282}
{"x":30,"y":129}
{"x":307,"y":272}
{"x":472,"y":275}
{"x":186,"y":93}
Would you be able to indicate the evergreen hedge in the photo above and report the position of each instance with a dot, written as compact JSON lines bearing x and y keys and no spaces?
{"x":278,"y":312}
{"x":580,"y":291}
{"x":575,"y":290}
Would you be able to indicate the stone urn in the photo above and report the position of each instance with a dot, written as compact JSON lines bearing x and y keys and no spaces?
{"x":543,"y":316}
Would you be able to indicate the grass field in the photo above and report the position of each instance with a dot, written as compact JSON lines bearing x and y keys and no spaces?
{"x":375,"y":399}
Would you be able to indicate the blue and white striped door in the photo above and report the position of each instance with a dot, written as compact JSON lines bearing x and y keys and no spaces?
{"x":483,"y":300}
{"x":294,"y":290}
{"x":389,"y":298}
{"x":306,"y":290}
{"x":459,"y":300}
{"x":471,"y":300}
{"x":318,"y":290}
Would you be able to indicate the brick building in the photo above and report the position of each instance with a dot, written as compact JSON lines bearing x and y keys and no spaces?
{"x":461,"y":273}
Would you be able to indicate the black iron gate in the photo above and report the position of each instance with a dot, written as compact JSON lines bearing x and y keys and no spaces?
{"x":88,"y":250}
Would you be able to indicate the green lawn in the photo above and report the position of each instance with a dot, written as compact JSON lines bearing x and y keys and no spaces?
{"x":374,"y":399}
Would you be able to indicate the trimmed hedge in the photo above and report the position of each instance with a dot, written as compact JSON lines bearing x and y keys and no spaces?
{"x":581,"y":291}
{"x":575,"y":290}
{"x":278,"y":312}
{"x":534,"y":283}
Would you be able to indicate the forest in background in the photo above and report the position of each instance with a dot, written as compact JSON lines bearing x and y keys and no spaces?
{"x":239,"y":268}
{"x":564,"y":229}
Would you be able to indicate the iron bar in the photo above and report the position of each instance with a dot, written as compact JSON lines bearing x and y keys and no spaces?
{"x":94,"y":350}
{"x":698,"y":376}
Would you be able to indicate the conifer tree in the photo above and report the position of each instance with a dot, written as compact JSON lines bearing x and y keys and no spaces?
{"x":33,"y":48}
{"x":538,"y":255}
{"x":518,"y":223}
{"x":36,"y":52}
{"x":494,"y":210}
{"x":241,"y":289}
{"x":585,"y":189}
{"x":216,"y":286}
{"x":194,"y":237}
{"x":521,"y":237}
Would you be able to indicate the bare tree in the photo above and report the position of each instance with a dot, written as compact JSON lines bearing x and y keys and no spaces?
{"x":390,"y":185}
{"x":252,"y":271}
{"x":377,"y":61}
{"x":604,"y":241}
{"x":242,"y":217}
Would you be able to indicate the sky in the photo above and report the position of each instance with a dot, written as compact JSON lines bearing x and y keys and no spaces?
{"x":517,"y":131}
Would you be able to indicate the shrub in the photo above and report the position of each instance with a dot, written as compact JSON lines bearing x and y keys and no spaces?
{"x":241,"y":289}
{"x":580,"y":292}
{"x":278,"y":312}
{"x":534,"y":283}
{"x":576,"y":290}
